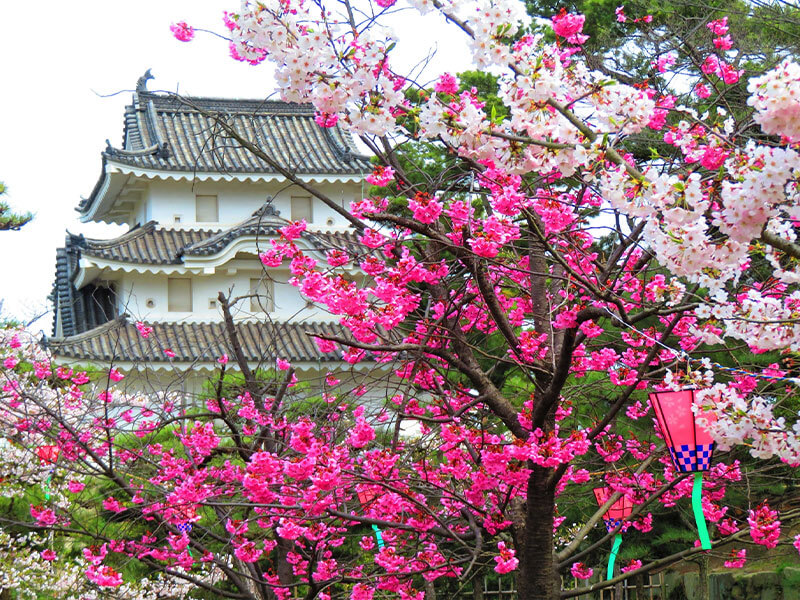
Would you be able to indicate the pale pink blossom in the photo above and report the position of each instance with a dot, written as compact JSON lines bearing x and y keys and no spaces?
{"x":182,"y":31}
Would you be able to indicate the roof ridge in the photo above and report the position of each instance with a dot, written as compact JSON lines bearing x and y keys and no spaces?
{"x":257,"y":219}
{"x":171,"y":101}
{"x":189,"y":323}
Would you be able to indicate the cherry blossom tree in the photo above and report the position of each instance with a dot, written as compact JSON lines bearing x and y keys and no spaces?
{"x":524,"y":296}
{"x":560,"y":238}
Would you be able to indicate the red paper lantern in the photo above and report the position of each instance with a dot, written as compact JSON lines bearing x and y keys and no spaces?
{"x":618,"y":512}
{"x":48,"y":455}
{"x":366,"y":497}
{"x":690,"y":445}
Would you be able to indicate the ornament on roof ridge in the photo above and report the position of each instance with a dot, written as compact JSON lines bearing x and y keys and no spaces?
{"x":141,"y":83}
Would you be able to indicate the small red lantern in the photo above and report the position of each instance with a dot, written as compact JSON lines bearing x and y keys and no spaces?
{"x":48,"y":455}
{"x":619,"y":511}
{"x":690,"y":445}
{"x":366,"y":497}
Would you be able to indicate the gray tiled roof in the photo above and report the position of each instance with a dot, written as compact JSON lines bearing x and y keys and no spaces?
{"x":203,"y":342}
{"x":181,"y":135}
{"x":151,"y":244}
{"x":174,"y":133}
{"x":166,"y":132}
{"x":148,"y":244}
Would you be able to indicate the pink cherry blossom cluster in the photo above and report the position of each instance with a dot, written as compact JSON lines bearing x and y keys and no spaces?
{"x":765,"y":528}
{"x":569,"y":26}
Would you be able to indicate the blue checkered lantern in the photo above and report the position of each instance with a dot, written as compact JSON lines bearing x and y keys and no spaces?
{"x":690,"y":446}
{"x":184,"y":527}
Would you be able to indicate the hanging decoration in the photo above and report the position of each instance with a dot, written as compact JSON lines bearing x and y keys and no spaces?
{"x":690,"y":445}
{"x":615,"y":515}
{"x":184,"y":527}
{"x":48,"y":455}
{"x":366,"y":497}
{"x":188,"y":516}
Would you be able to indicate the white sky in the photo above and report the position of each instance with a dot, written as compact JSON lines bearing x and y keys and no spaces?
{"x":57,"y":62}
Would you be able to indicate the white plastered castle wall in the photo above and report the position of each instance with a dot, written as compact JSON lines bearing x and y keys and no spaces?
{"x":145,"y":295}
{"x":165,"y":200}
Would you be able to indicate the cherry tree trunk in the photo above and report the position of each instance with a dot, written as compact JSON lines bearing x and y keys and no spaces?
{"x":538,"y":576}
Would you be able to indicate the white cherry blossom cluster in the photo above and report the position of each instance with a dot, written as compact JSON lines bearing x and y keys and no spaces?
{"x":750,"y":421}
{"x":776,"y":99}
{"x":321,"y":60}
{"x":620,"y":108}
{"x":23,"y":570}
{"x":699,"y":226}
{"x":765,"y":321}
{"x":492,"y":22}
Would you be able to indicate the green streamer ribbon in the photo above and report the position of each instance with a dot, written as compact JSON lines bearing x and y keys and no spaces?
{"x":697,"y":507}
{"x":47,"y":487}
{"x":613,"y":558}
{"x":378,"y":535}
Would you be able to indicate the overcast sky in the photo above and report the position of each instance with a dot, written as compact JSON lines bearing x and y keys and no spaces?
{"x":62,"y":61}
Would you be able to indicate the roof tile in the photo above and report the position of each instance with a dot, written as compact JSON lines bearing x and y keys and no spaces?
{"x":183,"y":135}
{"x":203,"y":342}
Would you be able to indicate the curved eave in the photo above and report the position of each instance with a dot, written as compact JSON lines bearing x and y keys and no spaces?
{"x":246,"y":244}
{"x":104,"y":196}
{"x":91,"y":267}
{"x":170,"y":175}
{"x":116,"y":174}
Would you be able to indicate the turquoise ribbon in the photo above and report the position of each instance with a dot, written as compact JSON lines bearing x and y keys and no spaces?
{"x":697,"y":507}
{"x":613,"y":558}
{"x":47,"y":487}
{"x":378,"y":535}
